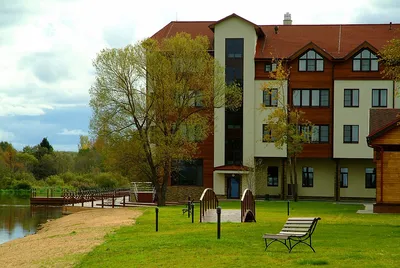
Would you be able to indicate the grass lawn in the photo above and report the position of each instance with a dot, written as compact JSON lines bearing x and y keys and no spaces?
{"x":342,"y":239}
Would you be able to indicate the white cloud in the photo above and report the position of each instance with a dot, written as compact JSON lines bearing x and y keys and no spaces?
{"x":72,"y":132}
{"x":6,"y":136}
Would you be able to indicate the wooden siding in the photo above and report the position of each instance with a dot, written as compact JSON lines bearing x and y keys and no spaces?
{"x":317,"y":115}
{"x":391,"y":137}
{"x":391,"y":178}
{"x":344,"y":71}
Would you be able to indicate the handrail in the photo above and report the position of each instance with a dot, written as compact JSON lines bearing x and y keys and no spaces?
{"x":208,"y":200}
{"x":248,"y":204}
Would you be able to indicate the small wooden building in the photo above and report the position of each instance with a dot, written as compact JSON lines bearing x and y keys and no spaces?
{"x":384,"y":138}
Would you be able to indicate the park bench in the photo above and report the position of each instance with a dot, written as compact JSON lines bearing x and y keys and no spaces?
{"x":294,"y":232}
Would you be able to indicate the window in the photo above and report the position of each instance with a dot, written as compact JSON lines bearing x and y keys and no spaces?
{"x":370,"y":178}
{"x":270,"y":97}
{"x":351,"y":97}
{"x":311,"y":62}
{"x":350,"y":134}
{"x":365,"y":61}
{"x":191,"y":132}
{"x":267,"y":134}
{"x":187,"y":172}
{"x":311,"y":97}
{"x":320,"y":134}
{"x":308,"y":177}
{"x":344,"y":177}
{"x":270,"y":67}
{"x":234,"y":48}
{"x":272,"y":176}
{"x":379,"y":98}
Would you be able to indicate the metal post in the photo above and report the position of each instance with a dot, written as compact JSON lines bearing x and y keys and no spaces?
{"x":124,"y":201}
{"x":156,"y":219}
{"x":92,"y":199}
{"x":218,"y":222}
{"x":188,"y":208}
{"x":113,"y":196}
{"x":192,"y":213}
{"x":288,"y":207}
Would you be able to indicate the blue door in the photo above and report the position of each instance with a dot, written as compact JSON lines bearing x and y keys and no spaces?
{"x":234,"y":187}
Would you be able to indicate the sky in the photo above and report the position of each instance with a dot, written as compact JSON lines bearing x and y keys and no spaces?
{"x":47,"y":48}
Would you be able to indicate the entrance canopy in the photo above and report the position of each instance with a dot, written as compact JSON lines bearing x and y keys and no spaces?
{"x":232,"y":169}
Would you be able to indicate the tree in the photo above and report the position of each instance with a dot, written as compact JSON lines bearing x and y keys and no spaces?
{"x":46,"y":144}
{"x":160,"y":96}
{"x":286,"y":125}
{"x":390,"y":57}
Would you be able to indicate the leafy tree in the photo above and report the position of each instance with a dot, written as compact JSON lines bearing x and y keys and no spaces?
{"x":155,"y":94}
{"x":46,"y":144}
{"x":286,"y":125}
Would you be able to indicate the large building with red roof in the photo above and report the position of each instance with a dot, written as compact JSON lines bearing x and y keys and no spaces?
{"x":335,"y":79}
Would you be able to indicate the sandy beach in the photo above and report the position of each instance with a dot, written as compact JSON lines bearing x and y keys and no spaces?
{"x":64,"y":241}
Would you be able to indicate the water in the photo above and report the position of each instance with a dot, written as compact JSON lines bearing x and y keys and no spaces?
{"x":18,"y":218}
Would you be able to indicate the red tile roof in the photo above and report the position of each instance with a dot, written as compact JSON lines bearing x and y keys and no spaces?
{"x":336,"y":40}
{"x":381,"y":121}
{"x":232,"y":168}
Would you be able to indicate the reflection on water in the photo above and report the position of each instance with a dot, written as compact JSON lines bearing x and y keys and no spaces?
{"x":18,"y":218}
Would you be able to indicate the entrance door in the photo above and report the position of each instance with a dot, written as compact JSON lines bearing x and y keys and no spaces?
{"x":233,"y":185}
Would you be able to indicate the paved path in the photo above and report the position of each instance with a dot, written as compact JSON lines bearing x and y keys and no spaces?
{"x":227,"y":215}
{"x":368,"y":209}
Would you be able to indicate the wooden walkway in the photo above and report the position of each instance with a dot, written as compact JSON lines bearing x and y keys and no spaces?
{"x":227,"y":215}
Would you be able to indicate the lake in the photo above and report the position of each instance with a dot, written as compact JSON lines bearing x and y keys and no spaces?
{"x":18,"y":218}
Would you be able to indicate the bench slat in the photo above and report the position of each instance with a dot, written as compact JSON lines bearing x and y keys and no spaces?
{"x":293,"y":233}
{"x":299,"y":222}
{"x":295,"y":229}
{"x":302,"y":219}
{"x":297,"y":225}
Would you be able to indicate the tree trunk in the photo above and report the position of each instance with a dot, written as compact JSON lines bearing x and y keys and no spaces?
{"x":295,"y":195}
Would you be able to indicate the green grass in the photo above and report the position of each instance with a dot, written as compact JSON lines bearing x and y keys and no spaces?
{"x":341,"y":239}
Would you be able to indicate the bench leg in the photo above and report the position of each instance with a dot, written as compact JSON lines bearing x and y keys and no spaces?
{"x":301,"y":241}
{"x":277,"y":240}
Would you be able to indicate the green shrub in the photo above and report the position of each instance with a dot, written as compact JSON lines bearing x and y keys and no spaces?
{"x":54,"y":180}
{"x":22,"y":185}
{"x":106,"y":180}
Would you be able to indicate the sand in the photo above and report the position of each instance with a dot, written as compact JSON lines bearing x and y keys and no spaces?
{"x":64,"y":241}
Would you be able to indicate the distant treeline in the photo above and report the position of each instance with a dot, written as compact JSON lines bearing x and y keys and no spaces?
{"x":41,"y":166}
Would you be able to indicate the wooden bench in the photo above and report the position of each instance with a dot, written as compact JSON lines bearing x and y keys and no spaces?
{"x":294,"y":232}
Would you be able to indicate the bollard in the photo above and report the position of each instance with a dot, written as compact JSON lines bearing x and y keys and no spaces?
{"x":218,"y":222}
{"x":188,"y":208}
{"x":288,"y":209}
{"x":156,"y":219}
{"x":192,"y":213}
{"x":124,"y":201}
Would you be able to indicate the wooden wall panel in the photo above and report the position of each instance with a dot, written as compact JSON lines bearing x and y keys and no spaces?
{"x":391,"y":180}
{"x":391,"y":137}
{"x":344,"y":71}
{"x":317,"y":115}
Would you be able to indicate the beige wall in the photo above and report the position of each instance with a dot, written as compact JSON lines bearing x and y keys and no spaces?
{"x":219,"y":183}
{"x":261,"y":183}
{"x":355,"y":116}
{"x":264,"y":149}
{"x":324,"y":175}
{"x":356,"y":180}
{"x":237,"y":28}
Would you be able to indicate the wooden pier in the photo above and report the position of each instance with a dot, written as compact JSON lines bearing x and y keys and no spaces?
{"x":107,"y":197}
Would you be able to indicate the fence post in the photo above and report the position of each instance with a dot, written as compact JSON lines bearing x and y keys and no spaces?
{"x":113,"y":196}
{"x":156,"y":219}
{"x":123,"y":201}
{"x":218,"y":222}
{"x":192,"y":213}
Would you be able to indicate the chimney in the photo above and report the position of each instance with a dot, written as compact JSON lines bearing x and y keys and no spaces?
{"x":287,"y":19}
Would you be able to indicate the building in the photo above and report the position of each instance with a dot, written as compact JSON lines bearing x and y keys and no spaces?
{"x":335,"y":78}
{"x":384,"y":138}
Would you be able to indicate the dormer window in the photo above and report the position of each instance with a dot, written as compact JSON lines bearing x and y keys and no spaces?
{"x":270,"y":67}
{"x":365,"y":61}
{"x":311,"y":61}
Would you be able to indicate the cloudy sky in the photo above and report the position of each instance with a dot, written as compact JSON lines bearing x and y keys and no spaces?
{"x":47,"y":46}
